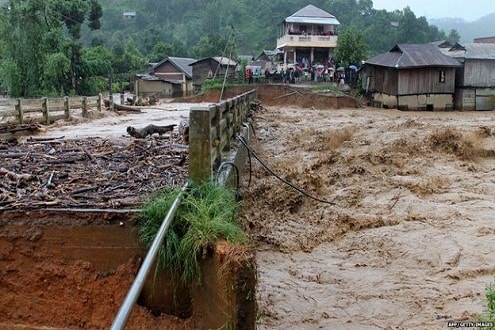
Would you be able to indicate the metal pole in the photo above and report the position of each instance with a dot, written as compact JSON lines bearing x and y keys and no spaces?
{"x":133,"y":294}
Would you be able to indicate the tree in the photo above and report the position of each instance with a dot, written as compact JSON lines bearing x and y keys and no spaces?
{"x":453,"y":36}
{"x":351,"y":48}
{"x":38,"y":48}
{"x":24,"y":54}
{"x":210,"y":45}
{"x":160,"y":51}
{"x":94,"y":68}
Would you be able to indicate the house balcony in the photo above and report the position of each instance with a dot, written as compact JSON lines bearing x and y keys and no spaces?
{"x":306,"y":41}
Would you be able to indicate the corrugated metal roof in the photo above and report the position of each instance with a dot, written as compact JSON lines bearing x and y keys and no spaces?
{"x":224,"y":60}
{"x":404,"y":56}
{"x":474,"y":51}
{"x":313,"y":20}
{"x":442,"y":44}
{"x":182,"y":63}
{"x":152,"y":77}
{"x":272,"y":52}
{"x":312,"y":15}
{"x":245,"y":57}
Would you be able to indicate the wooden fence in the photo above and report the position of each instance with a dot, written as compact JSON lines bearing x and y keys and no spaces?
{"x":212,"y":129}
{"x":47,"y":110}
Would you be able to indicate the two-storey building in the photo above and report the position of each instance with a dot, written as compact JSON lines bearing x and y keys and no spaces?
{"x":308,"y":37}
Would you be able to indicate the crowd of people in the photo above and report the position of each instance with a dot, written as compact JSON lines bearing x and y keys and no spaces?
{"x":318,"y":33}
{"x":302,"y":71}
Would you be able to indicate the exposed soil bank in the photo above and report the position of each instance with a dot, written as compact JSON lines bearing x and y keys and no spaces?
{"x":58,"y":271}
{"x":270,"y":95}
{"x":63,"y":273}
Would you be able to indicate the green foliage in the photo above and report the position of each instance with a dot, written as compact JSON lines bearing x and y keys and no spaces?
{"x":489,"y":315}
{"x":56,"y":71}
{"x":210,"y":45}
{"x":195,"y":27}
{"x":218,"y":83}
{"x":95,"y":14}
{"x":212,"y":84}
{"x":205,"y":215}
{"x":128,"y":58}
{"x":35,"y":35}
{"x":160,"y":51}
{"x":43,"y":47}
{"x":453,"y":36}
{"x":94,"y":68}
{"x":11,"y":77}
{"x":94,"y":85}
{"x":97,"y":61}
{"x":351,"y":48}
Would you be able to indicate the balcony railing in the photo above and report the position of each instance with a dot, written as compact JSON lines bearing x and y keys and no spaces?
{"x":307,"y":40}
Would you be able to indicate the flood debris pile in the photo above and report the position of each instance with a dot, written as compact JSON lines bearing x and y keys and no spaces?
{"x":86,"y":173}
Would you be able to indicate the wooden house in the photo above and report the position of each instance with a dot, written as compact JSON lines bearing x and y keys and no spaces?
{"x":129,"y":15}
{"x":213,"y":68}
{"x":272,"y":57}
{"x":485,"y":40}
{"x":475,"y":80}
{"x":411,"y":76}
{"x":245,"y":58}
{"x":150,"y":85}
{"x":171,"y":77}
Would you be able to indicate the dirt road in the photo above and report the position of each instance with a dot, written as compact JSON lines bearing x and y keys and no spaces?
{"x":409,"y":239}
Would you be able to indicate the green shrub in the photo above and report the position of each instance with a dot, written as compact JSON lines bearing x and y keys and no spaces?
{"x":489,"y":315}
{"x":217,"y":83}
{"x":205,"y":215}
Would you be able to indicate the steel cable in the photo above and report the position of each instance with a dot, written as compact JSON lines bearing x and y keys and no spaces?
{"x":250,"y":151}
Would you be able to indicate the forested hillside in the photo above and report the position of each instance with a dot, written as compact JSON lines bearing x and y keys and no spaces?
{"x":468,"y":31}
{"x":191,"y":27}
{"x":62,"y":47}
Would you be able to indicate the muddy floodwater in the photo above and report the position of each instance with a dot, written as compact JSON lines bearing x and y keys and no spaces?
{"x":403,"y":235}
{"x":113,"y":124}
{"x":407,"y":240}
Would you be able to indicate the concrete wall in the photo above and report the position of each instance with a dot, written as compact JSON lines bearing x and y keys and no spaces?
{"x":387,"y":101}
{"x":470,"y":99}
{"x":426,"y":102}
{"x":415,"y":102}
{"x":153,"y":87}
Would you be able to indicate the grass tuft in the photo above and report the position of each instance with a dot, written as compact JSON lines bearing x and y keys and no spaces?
{"x":489,"y":315}
{"x":205,"y":216}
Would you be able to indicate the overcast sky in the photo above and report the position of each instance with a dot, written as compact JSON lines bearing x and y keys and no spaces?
{"x":470,"y":10}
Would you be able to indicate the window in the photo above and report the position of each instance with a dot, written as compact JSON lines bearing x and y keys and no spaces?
{"x":441,"y":76}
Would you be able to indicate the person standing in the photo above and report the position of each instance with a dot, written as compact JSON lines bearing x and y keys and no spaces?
{"x":249,"y":75}
{"x":342,"y":80}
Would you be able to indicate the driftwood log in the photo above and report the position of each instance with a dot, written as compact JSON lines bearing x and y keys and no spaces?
{"x":151,"y":129}
{"x":121,"y":107}
{"x":87,"y":174}
{"x":13,"y":128}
